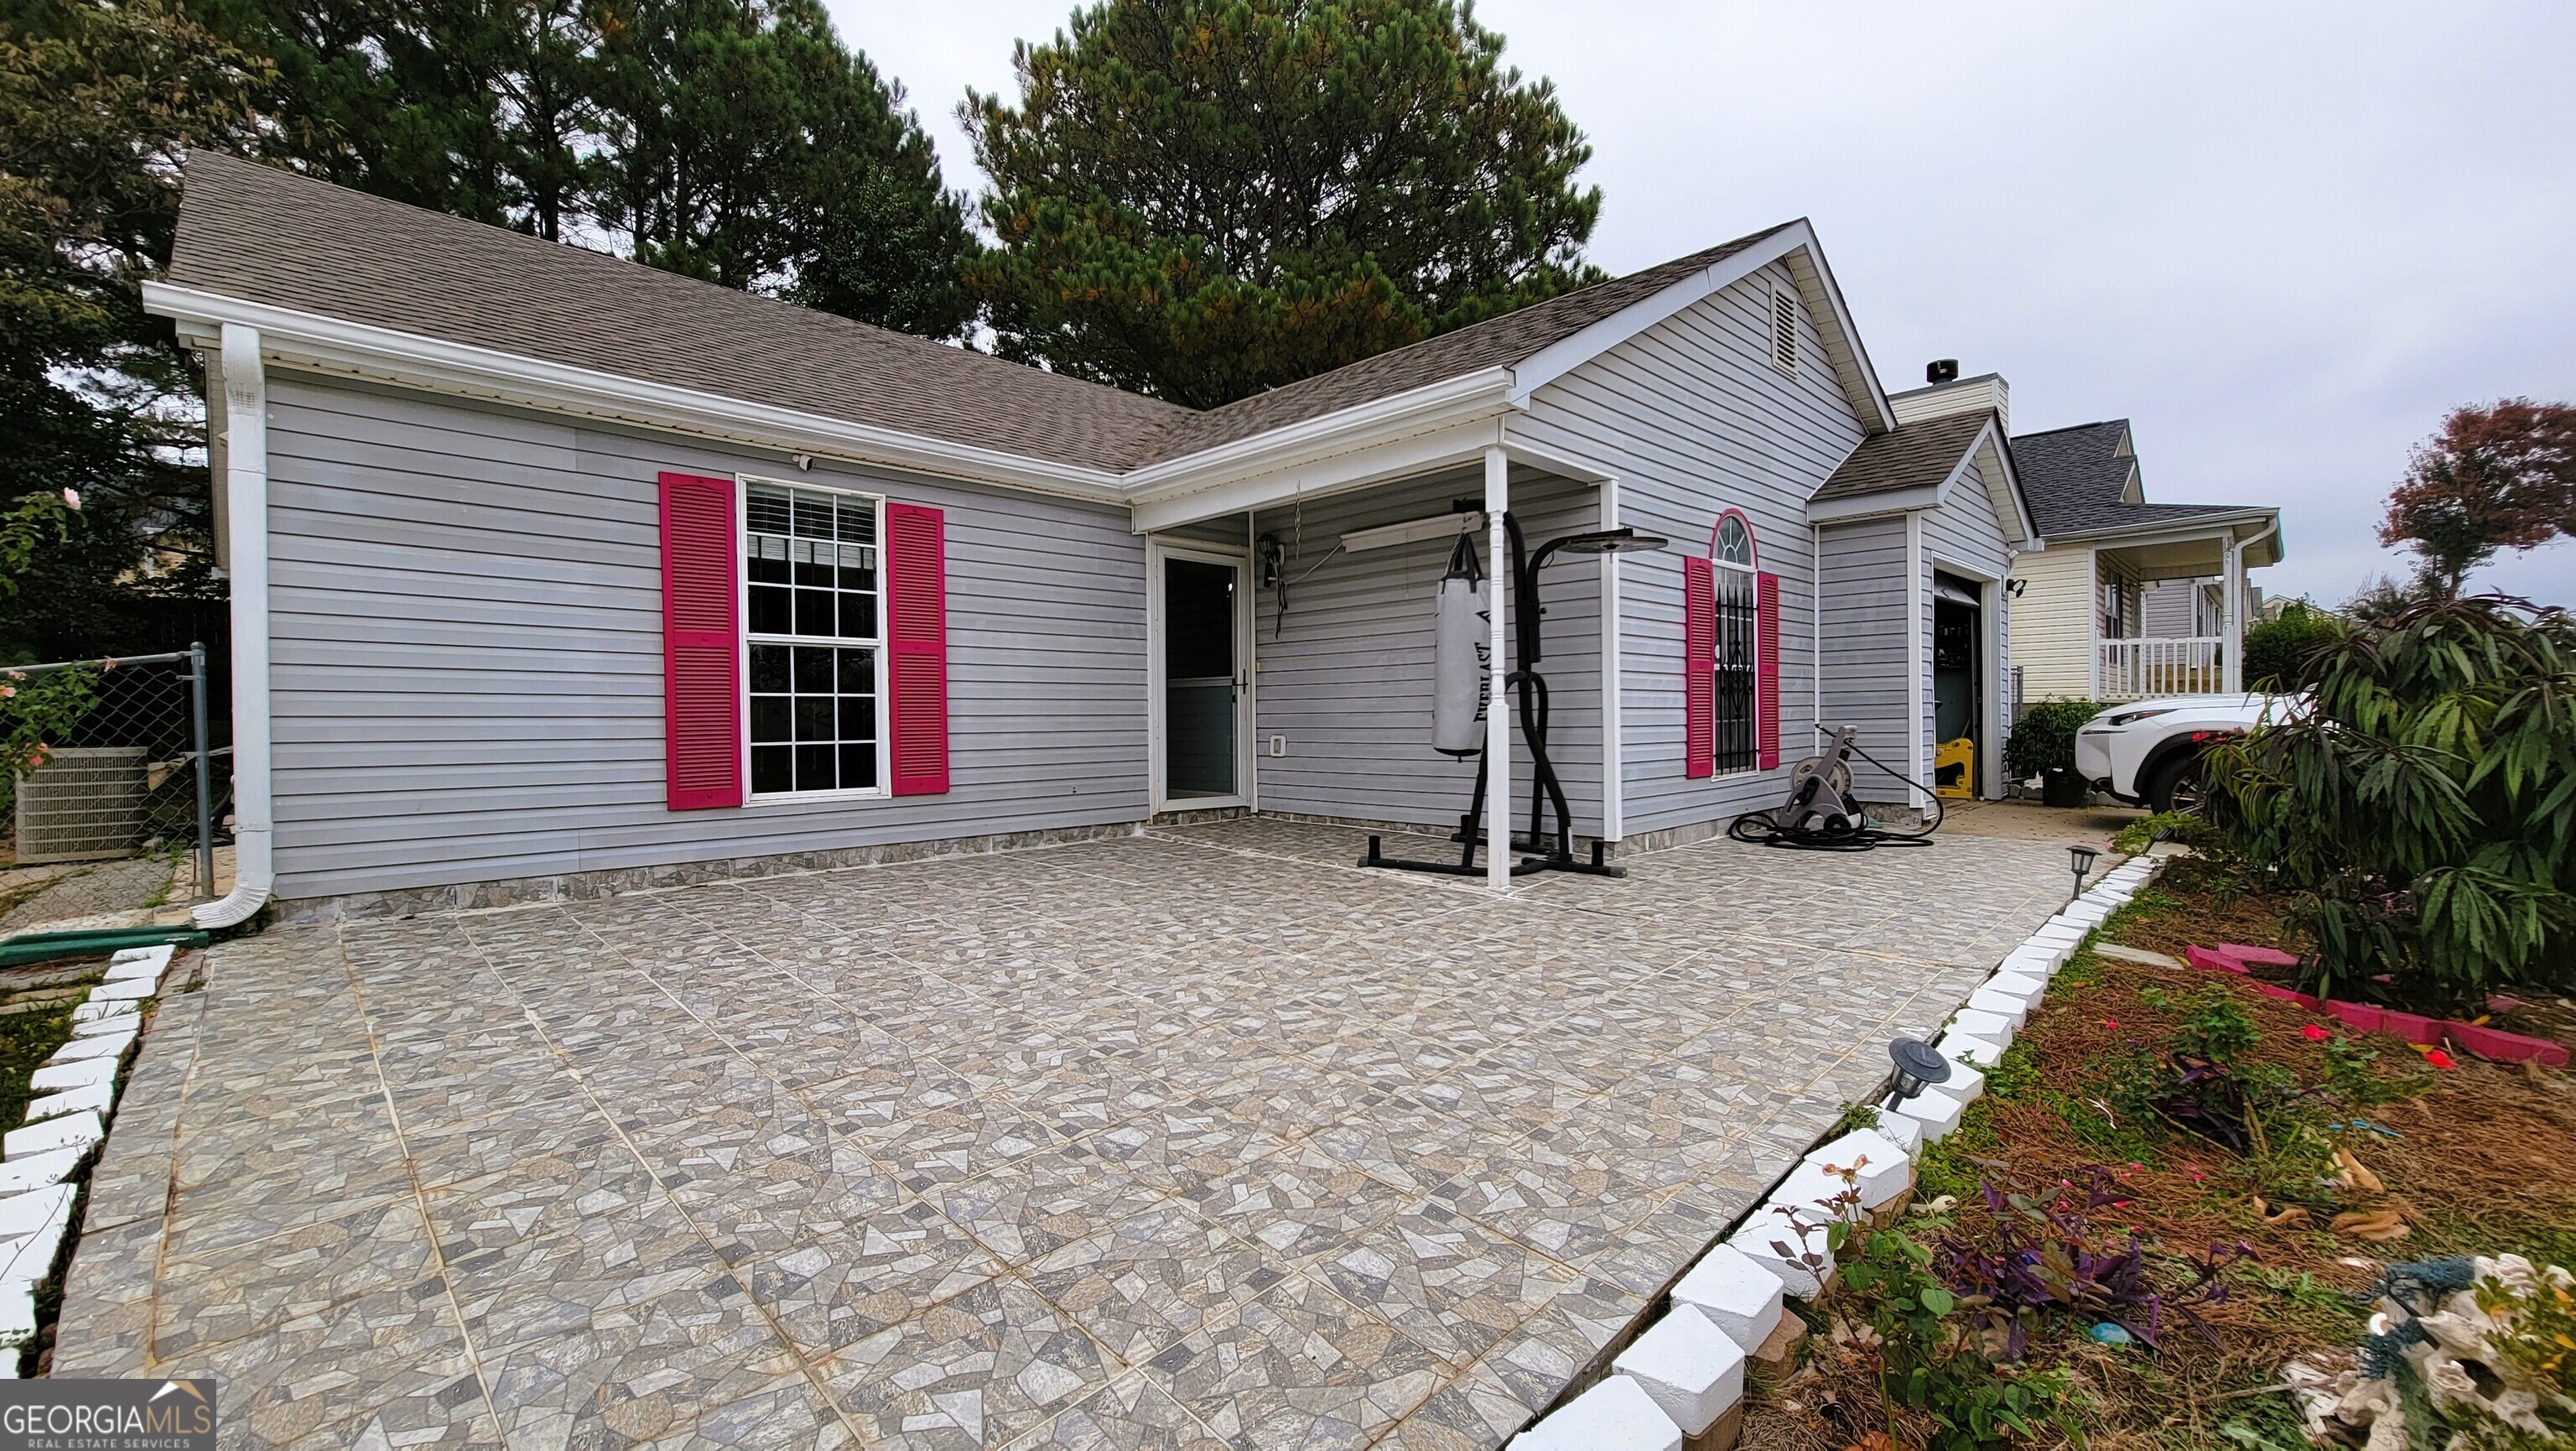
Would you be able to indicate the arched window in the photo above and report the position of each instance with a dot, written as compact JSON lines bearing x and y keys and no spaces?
{"x":1736,"y":696}
{"x":1730,"y":655}
{"x":1734,"y":542}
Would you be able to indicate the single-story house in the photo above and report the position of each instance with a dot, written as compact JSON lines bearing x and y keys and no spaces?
{"x":555,"y":574}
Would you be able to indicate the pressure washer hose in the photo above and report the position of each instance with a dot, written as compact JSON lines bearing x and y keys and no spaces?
{"x":1763,"y":827}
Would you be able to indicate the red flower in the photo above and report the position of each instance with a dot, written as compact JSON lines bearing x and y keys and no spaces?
{"x":2438,"y":1058}
{"x":2313,"y":1033}
{"x":2110,"y":1022}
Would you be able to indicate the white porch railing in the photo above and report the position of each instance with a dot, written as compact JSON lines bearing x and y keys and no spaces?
{"x":2170,"y":665}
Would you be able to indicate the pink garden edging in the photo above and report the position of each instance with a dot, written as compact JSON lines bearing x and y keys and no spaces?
{"x":2495,"y":1043}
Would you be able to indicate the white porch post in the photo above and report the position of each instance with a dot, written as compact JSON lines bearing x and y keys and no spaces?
{"x":2233,"y":628}
{"x":1498,"y":735}
{"x":1614,"y":798}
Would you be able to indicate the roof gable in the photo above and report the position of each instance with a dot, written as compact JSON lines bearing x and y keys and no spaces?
{"x":1916,"y":465}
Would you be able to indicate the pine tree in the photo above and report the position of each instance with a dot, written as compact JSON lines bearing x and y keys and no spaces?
{"x":730,"y":140}
{"x":97,"y":102}
{"x":1201,"y":199}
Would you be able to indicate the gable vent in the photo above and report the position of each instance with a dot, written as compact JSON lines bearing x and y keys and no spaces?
{"x":1784,"y":329}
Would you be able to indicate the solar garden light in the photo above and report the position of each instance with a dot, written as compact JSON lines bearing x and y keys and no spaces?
{"x":2081,"y":858}
{"x":1918,"y":1066}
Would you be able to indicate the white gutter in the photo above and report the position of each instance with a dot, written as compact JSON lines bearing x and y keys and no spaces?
{"x":358,"y":350}
{"x":245,"y":425}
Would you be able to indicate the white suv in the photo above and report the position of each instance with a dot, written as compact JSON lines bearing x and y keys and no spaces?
{"x":2147,"y":752}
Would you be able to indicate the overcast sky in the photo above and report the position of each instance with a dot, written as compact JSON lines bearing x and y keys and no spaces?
{"x":2282,"y":239}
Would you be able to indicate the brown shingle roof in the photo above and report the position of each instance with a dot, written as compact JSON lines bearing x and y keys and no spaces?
{"x":264,"y":235}
{"x":1495,"y":343}
{"x":1910,"y":456}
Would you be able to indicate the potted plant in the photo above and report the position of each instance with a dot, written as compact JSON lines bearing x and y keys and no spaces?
{"x":2042,"y":744}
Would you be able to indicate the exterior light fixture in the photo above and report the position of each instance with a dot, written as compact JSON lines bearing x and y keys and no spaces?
{"x":2080,"y":857}
{"x":1918,"y":1066}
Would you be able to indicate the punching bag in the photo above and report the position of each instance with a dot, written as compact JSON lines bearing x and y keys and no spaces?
{"x":1461,"y":656}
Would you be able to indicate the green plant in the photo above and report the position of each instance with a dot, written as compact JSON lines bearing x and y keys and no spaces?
{"x":2185,"y":827}
{"x":2277,"y":650}
{"x":2533,"y":1343}
{"x":2352,"y":1074}
{"x":2416,"y":814}
{"x":2043,"y":740}
{"x":1889,"y":1298}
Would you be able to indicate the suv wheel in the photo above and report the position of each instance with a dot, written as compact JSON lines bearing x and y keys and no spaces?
{"x":2176,"y":785}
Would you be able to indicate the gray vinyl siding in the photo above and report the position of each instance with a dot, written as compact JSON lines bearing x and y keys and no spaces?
{"x":1865,"y":652}
{"x":2171,"y":608}
{"x":1692,"y":419}
{"x":1963,"y":537}
{"x":1345,"y":674}
{"x":466,"y":613}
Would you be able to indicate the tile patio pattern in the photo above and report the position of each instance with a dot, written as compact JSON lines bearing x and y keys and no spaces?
{"x":1201,"y":1138}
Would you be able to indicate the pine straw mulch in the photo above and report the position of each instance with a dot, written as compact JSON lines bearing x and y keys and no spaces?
{"x":2474,"y":1160}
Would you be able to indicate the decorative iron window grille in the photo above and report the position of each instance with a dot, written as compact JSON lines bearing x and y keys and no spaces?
{"x":1737,"y":749}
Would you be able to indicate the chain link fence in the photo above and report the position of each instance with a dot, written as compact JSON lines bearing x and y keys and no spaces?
{"x":114,"y":758}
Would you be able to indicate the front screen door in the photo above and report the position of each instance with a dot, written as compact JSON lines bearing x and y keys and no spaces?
{"x":1203,"y":679}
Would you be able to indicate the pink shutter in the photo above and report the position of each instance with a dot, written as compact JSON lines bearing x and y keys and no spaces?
{"x":916,"y":561}
{"x":1699,"y":666}
{"x":1766,"y":669}
{"x":701,"y":644}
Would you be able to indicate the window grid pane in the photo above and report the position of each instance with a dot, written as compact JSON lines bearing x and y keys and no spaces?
{"x":810,"y":566}
{"x":810,"y":560}
{"x":813,"y":718}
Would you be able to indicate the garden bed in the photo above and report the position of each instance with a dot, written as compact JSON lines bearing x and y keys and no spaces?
{"x":2470,"y":1159}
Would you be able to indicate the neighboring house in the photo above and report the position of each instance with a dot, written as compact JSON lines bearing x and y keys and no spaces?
{"x":556,"y":574}
{"x":2127,"y":599}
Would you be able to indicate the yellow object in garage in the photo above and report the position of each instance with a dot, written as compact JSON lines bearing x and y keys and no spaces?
{"x":1954,"y":769}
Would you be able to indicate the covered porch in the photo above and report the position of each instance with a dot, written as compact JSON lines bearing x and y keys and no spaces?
{"x":1293,"y":651}
{"x":2130,"y":664}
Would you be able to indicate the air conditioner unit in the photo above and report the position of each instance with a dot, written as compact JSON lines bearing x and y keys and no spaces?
{"x":84,"y":804}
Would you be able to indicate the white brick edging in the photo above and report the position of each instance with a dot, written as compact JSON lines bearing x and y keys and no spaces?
{"x":1685,"y":1373}
{"x":66,"y":1123}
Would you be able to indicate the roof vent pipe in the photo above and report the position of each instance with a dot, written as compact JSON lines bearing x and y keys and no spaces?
{"x":1941,"y":370}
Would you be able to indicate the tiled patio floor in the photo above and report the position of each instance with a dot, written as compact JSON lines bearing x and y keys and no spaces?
{"x":1199,"y":1138}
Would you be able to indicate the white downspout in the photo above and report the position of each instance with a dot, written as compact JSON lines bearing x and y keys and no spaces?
{"x":1815,"y":636}
{"x":1917,"y":662}
{"x":245,"y":427}
{"x":1498,"y":708}
{"x":2235,"y":604}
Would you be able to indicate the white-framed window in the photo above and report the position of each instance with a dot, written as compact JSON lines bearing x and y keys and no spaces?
{"x":813,"y":639}
{"x":1738,"y":599}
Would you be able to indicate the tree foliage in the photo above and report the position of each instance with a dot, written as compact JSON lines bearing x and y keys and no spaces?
{"x":99,"y":435}
{"x":2501,"y":477}
{"x":2418,"y":812}
{"x":1202,"y":199}
{"x":2277,"y":649}
{"x":736,"y":141}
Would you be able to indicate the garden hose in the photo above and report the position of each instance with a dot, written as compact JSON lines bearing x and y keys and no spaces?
{"x":1763,"y":828}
